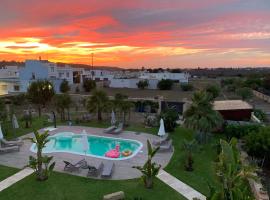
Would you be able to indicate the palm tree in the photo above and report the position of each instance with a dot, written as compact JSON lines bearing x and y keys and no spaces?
{"x":122,"y":105}
{"x":62,"y":103}
{"x":149,"y":169}
{"x":98,"y":103}
{"x":200,"y":116}
{"x":41,"y":164}
{"x":189,"y":147}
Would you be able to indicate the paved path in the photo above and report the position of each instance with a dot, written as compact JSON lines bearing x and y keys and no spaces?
{"x":15,"y":178}
{"x":185,"y":190}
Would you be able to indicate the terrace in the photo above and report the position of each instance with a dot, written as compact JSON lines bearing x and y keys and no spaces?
{"x":123,"y":168}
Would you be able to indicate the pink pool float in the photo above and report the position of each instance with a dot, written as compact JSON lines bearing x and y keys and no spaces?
{"x":114,"y":153}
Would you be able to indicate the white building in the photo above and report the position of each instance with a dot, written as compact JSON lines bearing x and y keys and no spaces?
{"x":9,"y":72}
{"x":178,"y":77}
{"x":131,"y":83}
{"x":98,"y":74}
{"x":66,"y":73}
{"x":9,"y":76}
{"x":152,"y":78}
{"x":17,"y":79}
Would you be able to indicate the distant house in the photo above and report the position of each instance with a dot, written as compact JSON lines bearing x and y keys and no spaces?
{"x":236,"y":110}
{"x":131,"y":83}
{"x":9,"y":79}
{"x":177,"y":77}
{"x":152,"y":78}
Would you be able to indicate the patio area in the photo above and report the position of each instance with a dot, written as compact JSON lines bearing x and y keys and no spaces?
{"x":123,"y":168}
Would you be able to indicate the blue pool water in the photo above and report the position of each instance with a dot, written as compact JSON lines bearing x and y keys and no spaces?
{"x":97,"y":145}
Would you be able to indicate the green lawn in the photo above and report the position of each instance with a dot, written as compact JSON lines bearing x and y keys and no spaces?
{"x":67,"y":187}
{"x":6,"y":172}
{"x":204,"y":157}
{"x":37,"y":123}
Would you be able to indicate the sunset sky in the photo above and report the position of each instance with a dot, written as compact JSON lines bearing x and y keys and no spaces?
{"x":136,"y":33}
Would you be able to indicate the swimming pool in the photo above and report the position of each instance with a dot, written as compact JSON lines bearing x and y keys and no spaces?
{"x":97,"y":146}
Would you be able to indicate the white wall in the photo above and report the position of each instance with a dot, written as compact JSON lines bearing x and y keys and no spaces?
{"x":181,"y":77}
{"x":65,"y":73}
{"x":9,"y":72}
{"x":132,"y":83}
{"x":7,"y":87}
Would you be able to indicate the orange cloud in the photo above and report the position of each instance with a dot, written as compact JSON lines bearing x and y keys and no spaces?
{"x":137,"y":33}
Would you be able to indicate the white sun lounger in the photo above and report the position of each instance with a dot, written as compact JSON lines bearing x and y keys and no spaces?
{"x":107,"y":170}
{"x":11,"y":142}
{"x":109,"y":129}
{"x":9,"y":149}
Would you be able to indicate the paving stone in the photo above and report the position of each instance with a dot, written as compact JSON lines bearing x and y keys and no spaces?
{"x":15,"y":178}
{"x":184,"y":189}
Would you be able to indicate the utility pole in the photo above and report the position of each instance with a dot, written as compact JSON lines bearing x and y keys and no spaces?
{"x":92,"y":60}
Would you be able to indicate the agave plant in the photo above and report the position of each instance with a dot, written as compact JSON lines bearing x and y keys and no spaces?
{"x":149,"y":169}
{"x":41,"y":164}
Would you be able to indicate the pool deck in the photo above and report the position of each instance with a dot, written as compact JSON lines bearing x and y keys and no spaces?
{"x":123,"y":168}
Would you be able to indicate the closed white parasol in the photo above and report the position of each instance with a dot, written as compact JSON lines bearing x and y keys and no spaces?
{"x":113,"y":120}
{"x":1,"y":133}
{"x":15,"y":122}
{"x":161,"y":131}
{"x":85,"y":143}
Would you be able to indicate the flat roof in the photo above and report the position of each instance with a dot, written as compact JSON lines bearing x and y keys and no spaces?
{"x":231,"y":105}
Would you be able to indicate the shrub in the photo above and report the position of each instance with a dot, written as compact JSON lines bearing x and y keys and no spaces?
{"x":258,"y":142}
{"x":253,"y":82}
{"x":266,"y":83}
{"x":189,"y":147}
{"x":260,"y":115}
{"x":19,"y":99}
{"x":150,"y":120}
{"x":227,"y":81}
{"x":3,"y":111}
{"x":89,"y":85}
{"x":142,"y":84}
{"x":64,"y":87}
{"x":245,"y":93}
{"x":187,"y":87}
{"x":170,"y":117}
{"x":40,"y":93}
{"x":165,"y":84}
{"x":239,"y":131}
{"x":213,"y":90}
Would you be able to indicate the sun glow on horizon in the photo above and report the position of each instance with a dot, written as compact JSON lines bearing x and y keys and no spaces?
{"x":137,"y":33}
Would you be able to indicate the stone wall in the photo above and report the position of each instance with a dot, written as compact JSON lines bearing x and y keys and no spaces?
{"x":261,"y":96}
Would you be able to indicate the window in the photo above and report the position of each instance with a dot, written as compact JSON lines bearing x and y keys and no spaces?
{"x":52,"y":69}
{"x":33,"y":75}
{"x":67,"y":74}
{"x":16,"y":88}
